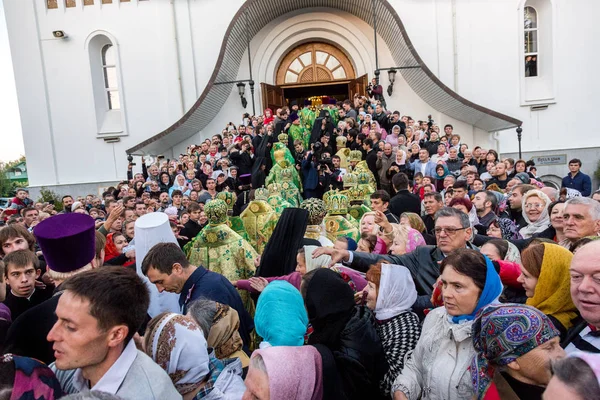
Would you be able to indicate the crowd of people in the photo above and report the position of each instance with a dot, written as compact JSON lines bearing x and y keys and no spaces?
{"x":334,"y":252}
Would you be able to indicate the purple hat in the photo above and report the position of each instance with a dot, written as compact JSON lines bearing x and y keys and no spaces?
{"x":68,"y":241}
{"x":246,"y":179}
{"x":294,"y":117}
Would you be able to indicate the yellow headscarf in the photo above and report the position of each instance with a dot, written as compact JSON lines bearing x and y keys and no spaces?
{"x":552,"y":292}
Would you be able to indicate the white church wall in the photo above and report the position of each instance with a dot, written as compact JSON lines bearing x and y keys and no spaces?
{"x":149,"y":92}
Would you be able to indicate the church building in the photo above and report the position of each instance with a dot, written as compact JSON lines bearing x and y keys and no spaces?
{"x":101,"y":80}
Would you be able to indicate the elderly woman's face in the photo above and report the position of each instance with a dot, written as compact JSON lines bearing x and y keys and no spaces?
{"x":367,"y":225}
{"x":398,"y":246}
{"x":371,"y":290}
{"x":120,"y":242}
{"x":459,"y":292}
{"x":534,"y":206}
{"x":494,"y":231}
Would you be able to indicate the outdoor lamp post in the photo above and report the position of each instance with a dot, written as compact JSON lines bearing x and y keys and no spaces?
{"x":392,"y":79}
{"x":242,"y":91}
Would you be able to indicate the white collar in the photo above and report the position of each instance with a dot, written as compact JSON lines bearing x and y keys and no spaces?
{"x":113,"y":378}
{"x":28,"y":298}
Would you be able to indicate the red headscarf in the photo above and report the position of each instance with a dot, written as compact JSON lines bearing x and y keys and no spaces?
{"x":110,"y":250}
{"x":270,"y":119}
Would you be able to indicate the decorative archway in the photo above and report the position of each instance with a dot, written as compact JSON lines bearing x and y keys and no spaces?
{"x":314,"y":62}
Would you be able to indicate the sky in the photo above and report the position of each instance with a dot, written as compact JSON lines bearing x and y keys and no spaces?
{"x":11,"y":136}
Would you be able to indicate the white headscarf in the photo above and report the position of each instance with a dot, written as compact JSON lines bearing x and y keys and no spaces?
{"x":179,"y":347}
{"x":314,"y":263}
{"x":543,"y":221}
{"x":397,"y":292}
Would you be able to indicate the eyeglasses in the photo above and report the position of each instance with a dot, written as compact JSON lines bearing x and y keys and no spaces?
{"x":449,"y":231}
{"x":534,"y":205}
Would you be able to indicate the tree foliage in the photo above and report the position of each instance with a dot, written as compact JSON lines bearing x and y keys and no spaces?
{"x":47,"y":195}
{"x":8,"y":188}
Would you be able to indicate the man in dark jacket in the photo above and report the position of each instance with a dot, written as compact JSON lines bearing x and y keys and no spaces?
{"x":371,"y":159}
{"x":166,"y":266}
{"x":452,"y":231}
{"x":403,"y":201}
{"x":576,"y":179}
{"x":193,"y":227}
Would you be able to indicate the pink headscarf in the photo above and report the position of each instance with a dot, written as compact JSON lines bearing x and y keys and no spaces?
{"x":380,"y":247}
{"x":294,"y":372}
{"x":414,"y":240}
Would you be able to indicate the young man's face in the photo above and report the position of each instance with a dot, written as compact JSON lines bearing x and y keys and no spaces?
{"x":177,"y":200}
{"x":195,"y":215}
{"x":574,"y":167}
{"x":22,"y":279}
{"x":379,"y":205}
{"x":14,"y":244}
{"x":78,"y":340}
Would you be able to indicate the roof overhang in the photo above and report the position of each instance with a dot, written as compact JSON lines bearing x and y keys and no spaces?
{"x":253,"y":15}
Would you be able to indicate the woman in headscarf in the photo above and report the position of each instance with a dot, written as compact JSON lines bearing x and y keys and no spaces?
{"x":414,"y":221}
{"x":515,"y":347}
{"x":535,"y":212}
{"x":392,"y":138}
{"x":577,"y":376}
{"x":220,"y":324}
{"x":294,"y":373}
{"x":347,"y":331}
{"x":399,"y":239}
{"x":113,"y":251}
{"x":179,"y":184}
{"x":164,"y":182}
{"x":280,"y":317}
{"x":439,"y":366}
{"x":24,"y":378}
{"x":176,"y":343}
{"x":441,"y":172}
{"x":399,"y":165}
{"x":504,"y":228}
{"x":268,"y":113}
{"x":391,"y":293}
{"x":288,"y":234}
{"x":546,"y":279}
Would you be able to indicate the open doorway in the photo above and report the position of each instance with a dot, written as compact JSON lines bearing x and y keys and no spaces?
{"x":275,"y":97}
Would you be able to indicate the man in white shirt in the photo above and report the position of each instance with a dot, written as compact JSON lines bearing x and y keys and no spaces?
{"x":98,"y":314}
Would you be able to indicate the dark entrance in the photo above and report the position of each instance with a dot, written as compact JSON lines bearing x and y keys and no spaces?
{"x":274,"y":97}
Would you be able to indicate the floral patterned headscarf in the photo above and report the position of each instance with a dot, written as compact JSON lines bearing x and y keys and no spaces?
{"x":503,"y":333}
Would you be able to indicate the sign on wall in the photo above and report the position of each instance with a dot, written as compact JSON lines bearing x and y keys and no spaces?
{"x":556,"y":159}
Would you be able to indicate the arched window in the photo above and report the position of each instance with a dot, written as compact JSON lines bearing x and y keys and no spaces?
{"x":107,"y":86}
{"x":314,"y":62}
{"x":111,"y":85}
{"x":531,"y":41}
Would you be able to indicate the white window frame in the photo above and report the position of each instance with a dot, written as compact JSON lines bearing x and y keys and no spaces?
{"x":537,"y":40}
{"x":109,"y":89}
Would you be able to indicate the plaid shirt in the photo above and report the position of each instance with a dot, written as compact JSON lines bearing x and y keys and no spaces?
{"x":215,"y":367}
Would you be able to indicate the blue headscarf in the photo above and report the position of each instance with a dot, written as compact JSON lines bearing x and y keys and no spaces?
{"x":351,"y":244}
{"x":491,"y":291}
{"x":281,"y":317}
